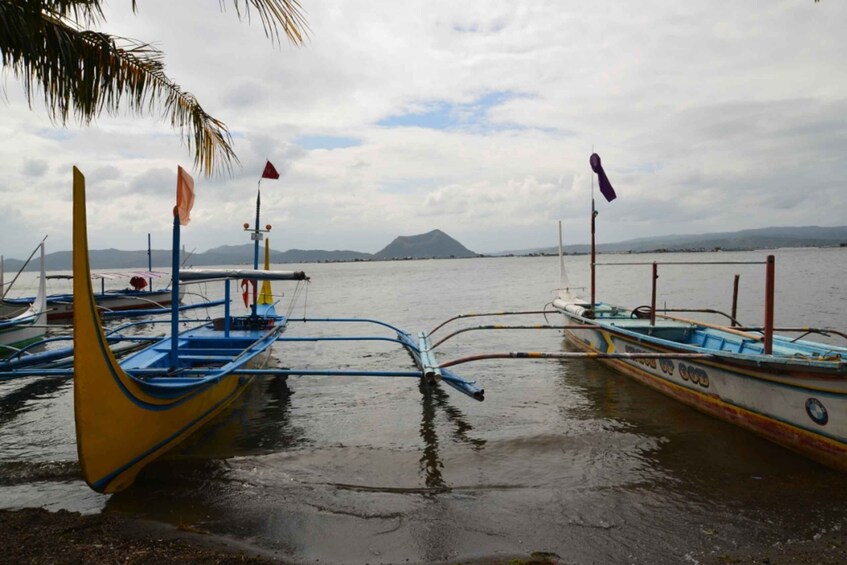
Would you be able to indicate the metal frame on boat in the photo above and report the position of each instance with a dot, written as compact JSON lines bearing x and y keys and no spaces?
{"x":129,"y":413}
{"x":114,"y":302}
{"x":790,"y":391}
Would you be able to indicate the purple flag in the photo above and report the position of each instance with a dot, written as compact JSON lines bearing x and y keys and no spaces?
{"x":605,"y":185}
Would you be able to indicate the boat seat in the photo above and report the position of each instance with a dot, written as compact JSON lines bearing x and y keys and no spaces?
{"x":233,"y":352}
{"x":207,"y":358}
{"x":663,"y":329}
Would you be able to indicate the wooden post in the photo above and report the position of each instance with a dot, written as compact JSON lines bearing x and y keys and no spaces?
{"x":653,"y":299}
{"x":735,"y":300}
{"x":770,"y":273}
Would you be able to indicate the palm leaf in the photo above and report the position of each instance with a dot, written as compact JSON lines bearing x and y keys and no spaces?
{"x":85,"y":73}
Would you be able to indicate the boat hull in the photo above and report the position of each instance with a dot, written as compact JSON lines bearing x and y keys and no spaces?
{"x":18,"y":337}
{"x":130,"y":413}
{"x":794,"y":406}
{"x":123,"y":426}
{"x":28,"y":325}
{"x":135,"y":300}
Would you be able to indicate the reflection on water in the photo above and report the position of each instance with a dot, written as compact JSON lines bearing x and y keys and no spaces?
{"x":566,"y":457}
{"x":434,"y":398}
{"x":24,"y":399}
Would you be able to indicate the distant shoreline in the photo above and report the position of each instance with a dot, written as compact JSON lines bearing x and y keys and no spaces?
{"x":13,"y":265}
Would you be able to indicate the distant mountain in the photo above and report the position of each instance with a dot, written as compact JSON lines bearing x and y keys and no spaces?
{"x":744,"y":240}
{"x":243,"y":255}
{"x":430,"y":245}
{"x":433,"y":244}
{"x":99,"y":260}
{"x":437,"y":244}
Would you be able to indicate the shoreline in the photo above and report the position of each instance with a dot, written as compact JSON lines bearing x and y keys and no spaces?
{"x":42,"y":536}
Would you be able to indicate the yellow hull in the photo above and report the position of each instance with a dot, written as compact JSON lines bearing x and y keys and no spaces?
{"x":121,"y":428}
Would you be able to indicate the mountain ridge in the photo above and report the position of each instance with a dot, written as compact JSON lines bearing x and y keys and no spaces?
{"x":741,"y":240}
{"x":437,"y":244}
{"x":434,"y":244}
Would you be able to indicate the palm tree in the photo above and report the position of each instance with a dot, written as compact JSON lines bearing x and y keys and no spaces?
{"x":83,"y":73}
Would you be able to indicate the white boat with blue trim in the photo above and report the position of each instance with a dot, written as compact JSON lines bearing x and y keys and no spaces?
{"x":789,"y":390}
{"x":28,"y":323}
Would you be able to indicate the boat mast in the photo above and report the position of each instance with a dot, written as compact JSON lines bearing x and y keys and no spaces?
{"x":256,"y":234}
{"x":562,"y":281}
{"x":182,"y":215}
{"x":256,"y":231}
{"x":593,"y":245}
{"x":175,"y":293}
{"x":149,"y":265}
{"x":3,"y":291}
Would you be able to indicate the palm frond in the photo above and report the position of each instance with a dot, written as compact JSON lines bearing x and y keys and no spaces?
{"x":275,"y":14}
{"x":85,"y":73}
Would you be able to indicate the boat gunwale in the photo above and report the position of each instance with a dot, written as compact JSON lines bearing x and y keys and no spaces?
{"x":729,"y":361}
{"x":758,"y":359}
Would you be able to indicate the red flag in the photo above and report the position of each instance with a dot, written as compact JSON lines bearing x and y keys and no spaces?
{"x":184,"y":196}
{"x":270,"y":171}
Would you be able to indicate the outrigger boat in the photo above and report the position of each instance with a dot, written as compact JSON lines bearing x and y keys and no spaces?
{"x":130,"y":413}
{"x":790,"y":391}
{"x":111,"y":302}
{"x":115,"y":302}
{"x":29,"y":325}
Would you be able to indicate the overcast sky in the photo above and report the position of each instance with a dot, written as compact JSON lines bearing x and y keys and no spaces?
{"x":476,"y":118}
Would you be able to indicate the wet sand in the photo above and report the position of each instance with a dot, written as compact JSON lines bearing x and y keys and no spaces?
{"x":35,"y":535}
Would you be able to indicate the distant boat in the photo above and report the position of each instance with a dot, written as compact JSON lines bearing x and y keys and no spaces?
{"x":790,"y":391}
{"x":130,"y":413}
{"x":26,"y":324}
{"x":60,"y":306}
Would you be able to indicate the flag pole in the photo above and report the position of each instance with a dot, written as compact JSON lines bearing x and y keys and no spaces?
{"x":149,"y":265}
{"x":256,"y":233}
{"x":256,"y":245}
{"x":174,"y":353}
{"x":593,"y":243}
{"x":256,"y":228}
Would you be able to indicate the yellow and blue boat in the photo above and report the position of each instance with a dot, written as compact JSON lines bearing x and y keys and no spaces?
{"x":131,"y":412}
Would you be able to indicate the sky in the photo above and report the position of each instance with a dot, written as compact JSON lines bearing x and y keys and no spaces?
{"x":476,"y":118}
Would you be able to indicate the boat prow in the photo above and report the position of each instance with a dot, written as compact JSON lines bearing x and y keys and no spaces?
{"x":127,"y":414}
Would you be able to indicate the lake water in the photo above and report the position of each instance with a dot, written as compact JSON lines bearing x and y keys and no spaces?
{"x":565,"y":457}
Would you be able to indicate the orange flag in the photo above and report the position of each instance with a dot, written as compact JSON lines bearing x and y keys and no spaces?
{"x":184,"y":196}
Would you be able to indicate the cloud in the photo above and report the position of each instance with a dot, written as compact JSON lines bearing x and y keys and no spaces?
{"x":35,"y":167}
{"x":475,"y":118}
{"x":154,"y":181}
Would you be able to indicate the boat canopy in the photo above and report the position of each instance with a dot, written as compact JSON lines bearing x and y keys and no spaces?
{"x":193,"y":275}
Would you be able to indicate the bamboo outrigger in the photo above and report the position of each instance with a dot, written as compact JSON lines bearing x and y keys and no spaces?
{"x":790,"y":391}
{"x":125,"y":419}
{"x":129,"y":413}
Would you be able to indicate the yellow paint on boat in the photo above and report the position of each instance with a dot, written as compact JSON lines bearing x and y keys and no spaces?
{"x":266,"y":296}
{"x":119,"y":427}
